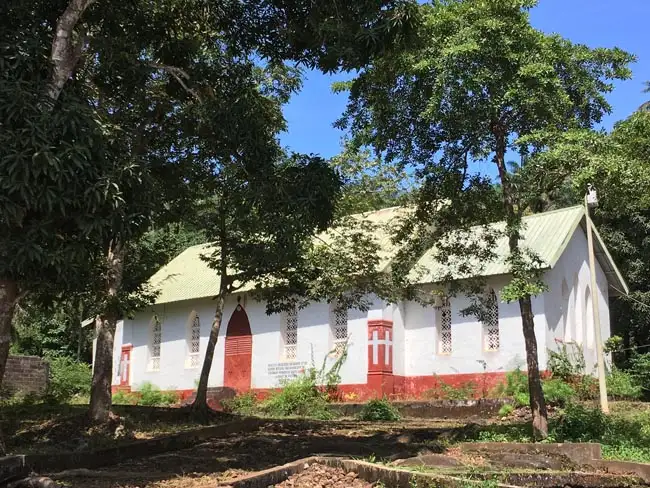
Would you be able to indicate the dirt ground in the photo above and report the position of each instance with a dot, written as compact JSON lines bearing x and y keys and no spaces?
{"x":278,"y":442}
{"x":317,"y":475}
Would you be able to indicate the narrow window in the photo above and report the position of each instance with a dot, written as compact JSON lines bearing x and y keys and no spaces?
{"x":154,"y":346}
{"x":290,"y":334}
{"x":444,"y":327}
{"x":193,"y":341}
{"x":339,"y":329}
{"x":491,"y":322}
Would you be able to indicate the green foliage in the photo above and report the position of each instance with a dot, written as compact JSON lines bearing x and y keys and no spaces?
{"x":124,"y":398}
{"x":300,"y":397}
{"x":68,"y":378}
{"x":506,"y":410}
{"x":613,"y":344}
{"x":622,"y":385}
{"x":242,"y":404}
{"x":640,"y":370}
{"x":516,"y":384}
{"x":568,"y":362}
{"x":151,"y":396}
{"x":557,"y":391}
{"x":379,"y":410}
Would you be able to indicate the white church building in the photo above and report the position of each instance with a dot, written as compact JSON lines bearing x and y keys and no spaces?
{"x":399,"y":350}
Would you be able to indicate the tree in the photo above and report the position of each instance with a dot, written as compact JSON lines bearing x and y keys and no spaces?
{"x":369,"y":183}
{"x":258,"y":223}
{"x":481,"y":81}
{"x":111,"y":54}
{"x":617,"y":163}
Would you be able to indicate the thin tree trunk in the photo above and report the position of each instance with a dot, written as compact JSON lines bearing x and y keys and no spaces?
{"x":200,"y":404}
{"x":100,"y":391}
{"x":65,"y":51}
{"x":8,"y":297}
{"x":537,"y":402}
{"x":81,"y":330}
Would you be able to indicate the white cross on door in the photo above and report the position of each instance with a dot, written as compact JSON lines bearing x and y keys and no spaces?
{"x":375,"y":342}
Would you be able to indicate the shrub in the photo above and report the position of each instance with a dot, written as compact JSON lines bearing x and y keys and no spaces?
{"x":586,"y":387}
{"x":243,"y":404}
{"x":151,"y":396}
{"x":379,"y":410}
{"x":123,"y":398}
{"x":506,"y":410}
{"x":68,"y":378}
{"x":640,"y":369}
{"x":621,"y":385}
{"x":557,"y":392}
{"x":299,"y":397}
{"x":568,"y":362}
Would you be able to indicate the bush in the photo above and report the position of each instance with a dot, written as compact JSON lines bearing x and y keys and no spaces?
{"x":379,"y":410}
{"x":68,"y":378}
{"x":568,"y":362}
{"x":586,"y":387}
{"x":640,"y":370}
{"x":299,"y":397}
{"x":243,"y":404}
{"x":621,"y":385}
{"x":151,"y":396}
{"x":557,"y":392}
{"x":506,"y":410}
{"x":123,"y":398}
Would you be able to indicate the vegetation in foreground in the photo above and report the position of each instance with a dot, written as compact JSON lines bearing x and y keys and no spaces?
{"x":623,"y":435}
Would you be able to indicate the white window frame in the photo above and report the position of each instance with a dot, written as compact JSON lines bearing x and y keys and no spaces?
{"x":339,"y":320}
{"x":444,"y":325}
{"x":491,"y":322}
{"x":290,"y":335}
{"x":193,"y":341}
{"x":155,"y":343}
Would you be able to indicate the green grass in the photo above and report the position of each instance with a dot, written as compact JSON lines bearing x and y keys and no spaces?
{"x":624,"y":434}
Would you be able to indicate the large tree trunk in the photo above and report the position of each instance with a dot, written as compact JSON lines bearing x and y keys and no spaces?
{"x":537,"y":403}
{"x":200,"y":404}
{"x":100,"y":391}
{"x":66,"y":52}
{"x":8,"y":296}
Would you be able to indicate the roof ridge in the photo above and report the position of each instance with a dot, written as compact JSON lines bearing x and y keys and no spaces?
{"x":563,"y":209}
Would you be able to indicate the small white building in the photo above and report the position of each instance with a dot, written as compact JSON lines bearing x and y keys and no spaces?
{"x":400,"y":349}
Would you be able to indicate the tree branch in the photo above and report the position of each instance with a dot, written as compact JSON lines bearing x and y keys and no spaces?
{"x":179,"y":75}
{"x":65,"y":52}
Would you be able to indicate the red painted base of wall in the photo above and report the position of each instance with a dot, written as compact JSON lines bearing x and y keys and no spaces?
{"x":393,"y":387}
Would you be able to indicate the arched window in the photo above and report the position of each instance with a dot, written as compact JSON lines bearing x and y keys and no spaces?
{"x":155,"y":340}
{"x":290,"y":334}
{"x":444,"y":327}
{"x":589,"y":318}
{"x":566,"y":318}
{"x":491,"y":339}
{"x":339,"y":327}
{"x":193,"y":341}
{"x":578,"y":320}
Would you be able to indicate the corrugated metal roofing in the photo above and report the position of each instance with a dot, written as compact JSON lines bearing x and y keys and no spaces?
{"x":188,"y":277}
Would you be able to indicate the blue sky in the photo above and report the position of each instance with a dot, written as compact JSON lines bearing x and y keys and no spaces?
{"x":597,"y":23}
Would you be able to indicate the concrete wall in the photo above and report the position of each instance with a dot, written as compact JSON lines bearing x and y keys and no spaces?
{"x":568,"y":302}
{"x":26,"y":375}
{"x":314,"y":342}
{"x":421,"y":353}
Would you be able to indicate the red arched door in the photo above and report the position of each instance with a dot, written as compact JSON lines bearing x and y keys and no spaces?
{"x":239,"y":352}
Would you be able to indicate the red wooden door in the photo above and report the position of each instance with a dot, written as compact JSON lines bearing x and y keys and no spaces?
{"x":125,"y":365}
{"x":239,"y":352}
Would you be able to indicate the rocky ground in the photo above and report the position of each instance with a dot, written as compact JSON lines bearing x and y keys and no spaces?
{"x":318,"y":476}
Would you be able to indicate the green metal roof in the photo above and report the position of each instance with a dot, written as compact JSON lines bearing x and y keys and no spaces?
{"x":546,"y":234}
{"x":188,"y":277}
